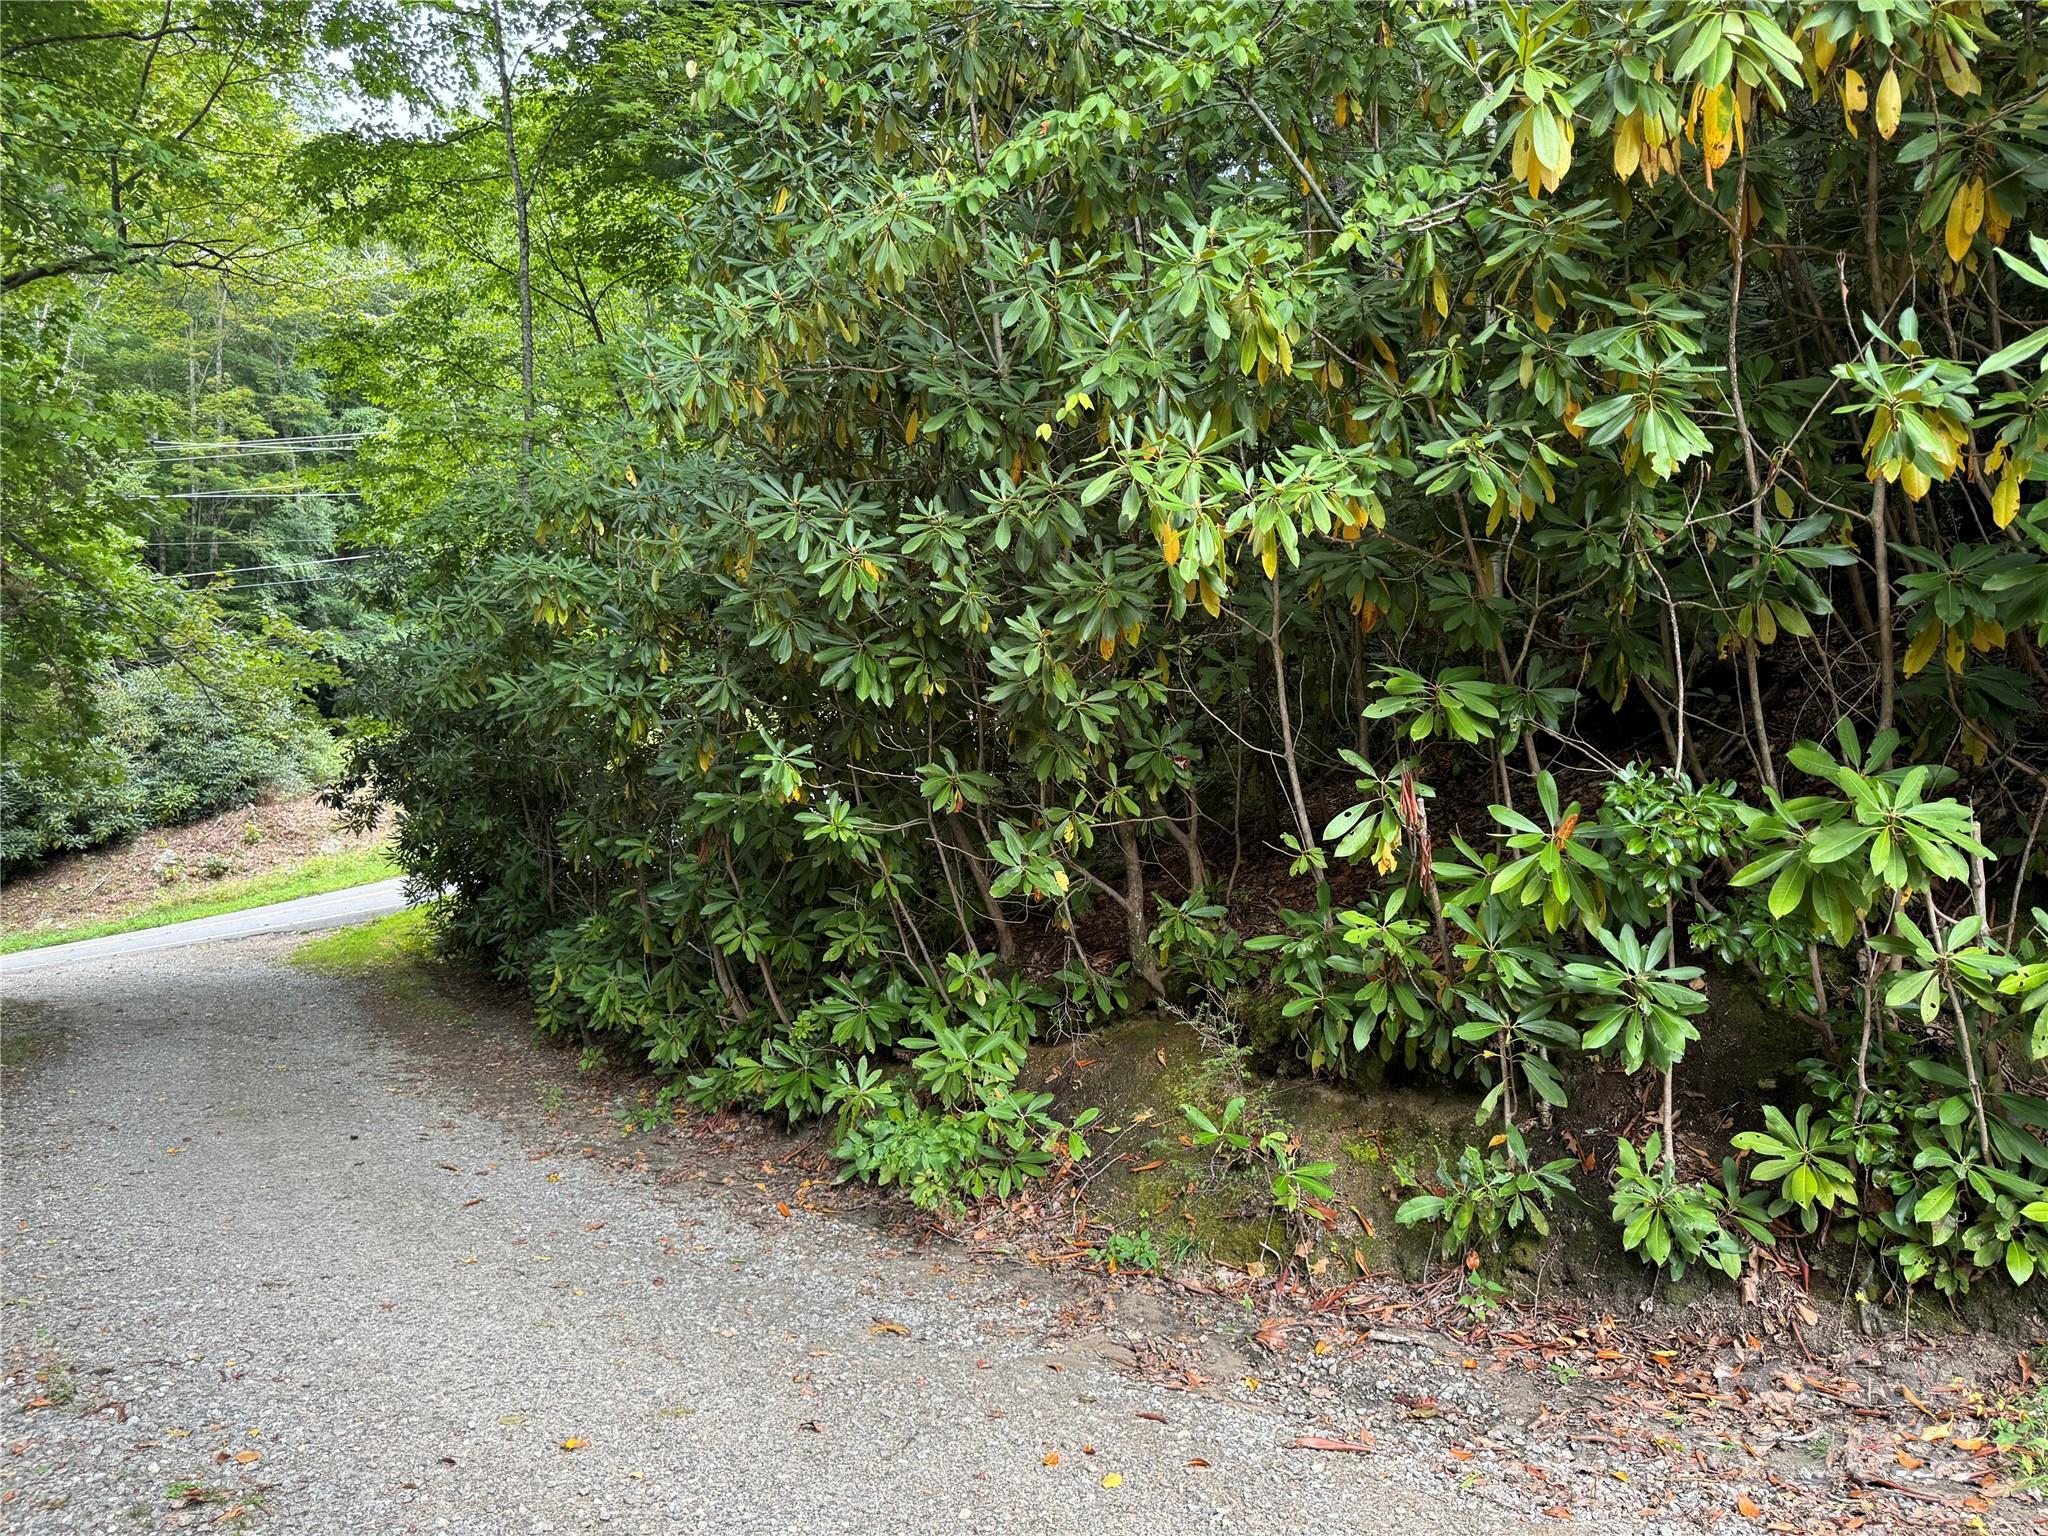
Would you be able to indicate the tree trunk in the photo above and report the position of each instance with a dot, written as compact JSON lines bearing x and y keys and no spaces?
{"x":521,"y":229}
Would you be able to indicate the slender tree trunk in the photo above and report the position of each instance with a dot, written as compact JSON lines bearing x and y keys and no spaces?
{"x":520,"y":226}
{"x":1006,"y":938}
{"x":1300,"y":801}
{"x":1136,"y":929}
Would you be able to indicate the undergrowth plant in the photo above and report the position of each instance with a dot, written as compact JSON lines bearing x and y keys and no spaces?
{"x":1434,"y":527}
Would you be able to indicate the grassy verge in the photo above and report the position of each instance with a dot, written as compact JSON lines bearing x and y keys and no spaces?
{"x":321,"y":873}
{"x":395,"y":955}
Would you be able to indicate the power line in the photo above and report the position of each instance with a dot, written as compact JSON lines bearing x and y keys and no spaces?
{"x":253,"y":443}
{"x":282,"y":565}
{"x":288,"y":493}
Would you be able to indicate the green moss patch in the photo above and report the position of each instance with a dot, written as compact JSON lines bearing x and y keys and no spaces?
{"x":1141,"y":1072}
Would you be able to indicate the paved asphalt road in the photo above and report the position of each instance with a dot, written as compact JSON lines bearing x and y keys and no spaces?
{"x":332,"y":909}
{"x":276,"y":1257}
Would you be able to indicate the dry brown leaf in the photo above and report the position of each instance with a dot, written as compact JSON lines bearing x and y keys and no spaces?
{"x":1052,"y":1459}
{"x":1747,"y":1507}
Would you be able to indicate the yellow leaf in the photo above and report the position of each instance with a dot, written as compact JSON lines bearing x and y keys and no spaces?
{"x":2005,"y":497}
{"x":1628,"y":146}
{"x":1914,"y":481}
{"x":910,"y":426}
{"x":1855,"y":97}
{"x":1112,"y":1479}
{"x":1921,"y":651}
{"x":781,"y":199}
{"x":1956,"y":73}
{"x":1986,"y":635}
{"x":1954,"y":656}
{"x":574,"y":1443}
{"x":1965,"y":218}
{"x":1169,"y":544}
{"x":1889,"y":102}
{"x":1717,"y":127}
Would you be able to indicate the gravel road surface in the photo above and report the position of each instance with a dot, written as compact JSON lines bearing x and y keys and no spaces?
{"x":266,"y":1267}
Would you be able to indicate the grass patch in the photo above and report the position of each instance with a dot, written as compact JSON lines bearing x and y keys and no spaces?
{"x":22,"y":1047}
{"x":401,"y":940}
{"x":322,"y":873}
{"x":2020,"y":1431}
{"x":395,"y":954}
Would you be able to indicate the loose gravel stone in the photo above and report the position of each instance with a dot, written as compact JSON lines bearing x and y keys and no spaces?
{"x":270,"y":1273}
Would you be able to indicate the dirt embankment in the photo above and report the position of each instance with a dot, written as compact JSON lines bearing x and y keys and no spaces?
{"x":172,"y":863}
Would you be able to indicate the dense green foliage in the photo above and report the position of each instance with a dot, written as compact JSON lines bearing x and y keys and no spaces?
{"x":1453,"y":533}
{"x":174,"y":603}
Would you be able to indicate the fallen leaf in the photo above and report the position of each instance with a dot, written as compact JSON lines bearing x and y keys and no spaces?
{"x":1324,"y":1443}
{"x":782,"y":1209}
{"x":574,"y":1443}
{"x":1910,"y":1462}
{"x":1112,"y":1479}
{"x":1747,"y":1507}
{"x":248,"y":1458}
{"x":1052,"y":1459}
{"x":883,"y":1325}
{"x":1156,"y":1418}
{"x":1558,"y":1512}
{"x":1196,"y":1461}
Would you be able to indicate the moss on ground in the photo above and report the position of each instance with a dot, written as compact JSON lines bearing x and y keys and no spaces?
{"x":395,"y":954}
{"x":1141,"y":1073}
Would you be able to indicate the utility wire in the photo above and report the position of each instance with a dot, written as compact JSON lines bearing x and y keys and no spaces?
{"x":282,"y":565}
{"x":288,"y":493}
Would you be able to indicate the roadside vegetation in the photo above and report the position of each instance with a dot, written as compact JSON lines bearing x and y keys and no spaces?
{"x":1495,"y":548}
{"x":311,"y":877}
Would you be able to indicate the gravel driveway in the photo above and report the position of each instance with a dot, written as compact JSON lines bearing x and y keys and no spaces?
{"x":270,"y":1270}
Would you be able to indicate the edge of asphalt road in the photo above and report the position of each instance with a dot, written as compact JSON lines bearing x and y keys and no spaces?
{"x":302,"y":914}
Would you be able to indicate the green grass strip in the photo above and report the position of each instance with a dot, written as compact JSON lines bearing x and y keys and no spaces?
{"x":322,"y":873}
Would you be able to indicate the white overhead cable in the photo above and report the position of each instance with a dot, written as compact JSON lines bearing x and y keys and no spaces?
{"x":251,"y":443}
{"x":289,"y":581}
{"x":282,"y":565}
{"x":286,"y":493}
